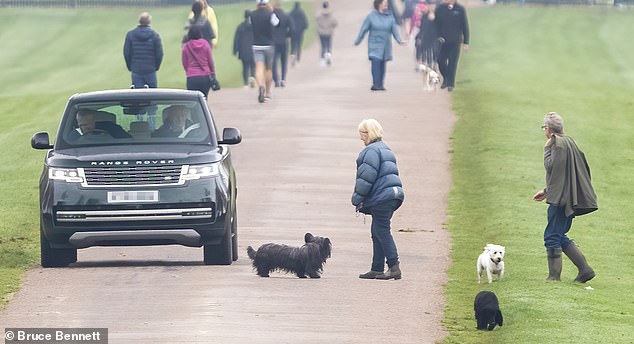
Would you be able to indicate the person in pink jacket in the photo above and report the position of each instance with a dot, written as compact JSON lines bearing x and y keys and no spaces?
{"x":198,"y":62}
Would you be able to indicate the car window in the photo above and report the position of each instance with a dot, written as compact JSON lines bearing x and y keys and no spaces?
{"x":135,"y":122}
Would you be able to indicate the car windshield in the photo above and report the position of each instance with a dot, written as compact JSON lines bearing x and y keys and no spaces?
{"x":135,"y":122}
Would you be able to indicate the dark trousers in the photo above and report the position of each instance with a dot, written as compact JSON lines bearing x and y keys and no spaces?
{"x":248,"y":69}
{"x":139,"y":80}
{"x":281,"y":54}
{"x":199,"y":83}
{"x":448,"y":62}
{"x":296,"y":45}
{"x":326,"y":44}
{"x":383,"y":245}
{"x":558,"y":225}
{"x":378,"y":72}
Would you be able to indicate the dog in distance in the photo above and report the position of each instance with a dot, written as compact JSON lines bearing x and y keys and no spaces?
{"x":431,"y":78}
{"x":487,"y":311}
{"x":491,"y":261}
{"x":308,"y":259}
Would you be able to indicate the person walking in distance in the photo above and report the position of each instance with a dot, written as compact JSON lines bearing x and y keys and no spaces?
{"x":281,"y":34}
{"x":243,"y":49}
{"x":198,"y":61}
{"x":453,"y":32}
{"x":208,"y":13}
{"x":263,"y":20}
{"x":569,"y":193}
{"x":300,"y":24}
{"x":378,"y":191}
{"x":381,"y":26}
{"x":143,"y":53}
{"x":326,"y":25}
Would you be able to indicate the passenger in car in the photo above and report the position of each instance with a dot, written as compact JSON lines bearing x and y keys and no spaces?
{"x":175,"y":120}
{"x":89,"y":125}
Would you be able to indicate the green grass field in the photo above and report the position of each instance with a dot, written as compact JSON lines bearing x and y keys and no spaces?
{"x":49,"y":54}
{"x":522,"y":63}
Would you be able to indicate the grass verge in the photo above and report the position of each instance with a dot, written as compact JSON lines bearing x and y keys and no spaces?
{"x":524,"y":62}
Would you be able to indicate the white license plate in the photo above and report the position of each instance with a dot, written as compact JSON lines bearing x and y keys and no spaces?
{"x":132,"y":196}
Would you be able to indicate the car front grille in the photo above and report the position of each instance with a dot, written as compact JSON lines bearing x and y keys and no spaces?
{"x":123,"y":176}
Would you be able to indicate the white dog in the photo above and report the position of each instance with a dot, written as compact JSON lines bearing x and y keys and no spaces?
{"x":492,"y":261}
{"x":431,"y":78}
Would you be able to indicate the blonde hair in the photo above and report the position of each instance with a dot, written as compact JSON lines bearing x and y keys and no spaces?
{"x":373,"y":128}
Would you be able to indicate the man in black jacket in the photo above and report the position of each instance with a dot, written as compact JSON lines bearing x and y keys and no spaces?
{"x":453,"y":31}
{"x":143,"y":53}
{"x":243,"y":49}
{"x":300,"y":24}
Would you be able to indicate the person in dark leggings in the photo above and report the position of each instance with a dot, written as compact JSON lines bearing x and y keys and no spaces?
{"x":300,"y":24}
{"x":243,"y":49}
{"x":281,"y":35}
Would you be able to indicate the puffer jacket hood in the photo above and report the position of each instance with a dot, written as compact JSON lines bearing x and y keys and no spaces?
{"x":143,"y":33}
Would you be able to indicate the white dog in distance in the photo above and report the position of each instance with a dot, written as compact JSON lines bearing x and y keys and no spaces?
{"x":492,"y":261}
{"x":431,"y":78}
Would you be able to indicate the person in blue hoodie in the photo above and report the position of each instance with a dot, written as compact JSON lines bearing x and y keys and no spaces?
{"x":378,"y":191}
{"x":381,"y":26}
{"x":143,"y":53}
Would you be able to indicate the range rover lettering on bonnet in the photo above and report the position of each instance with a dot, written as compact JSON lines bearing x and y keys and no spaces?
{"x":137,"y":162}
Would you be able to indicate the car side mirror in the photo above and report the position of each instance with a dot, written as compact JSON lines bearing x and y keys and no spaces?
{"x":230,"y":136}
{"x":41,"y":141}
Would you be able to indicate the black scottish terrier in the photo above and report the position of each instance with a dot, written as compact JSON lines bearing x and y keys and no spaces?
{"x":309,"y":259}
{"x":487,"y":311}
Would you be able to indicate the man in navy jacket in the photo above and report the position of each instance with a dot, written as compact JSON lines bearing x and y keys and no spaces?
{"x":143,"y":53}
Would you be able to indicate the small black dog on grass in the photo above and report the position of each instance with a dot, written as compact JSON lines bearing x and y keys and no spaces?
{"x":487,"y":310}
{"x":309,"y":259}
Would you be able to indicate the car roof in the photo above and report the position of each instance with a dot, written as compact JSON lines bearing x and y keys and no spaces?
{"x":136,"y":94}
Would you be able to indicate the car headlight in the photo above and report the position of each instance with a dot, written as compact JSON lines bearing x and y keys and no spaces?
{"x":194,"y":172}
{"x":69,"y":175}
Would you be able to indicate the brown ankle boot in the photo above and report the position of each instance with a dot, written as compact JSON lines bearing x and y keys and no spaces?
{"x":393,"y":272}
{"x":371,"y":274}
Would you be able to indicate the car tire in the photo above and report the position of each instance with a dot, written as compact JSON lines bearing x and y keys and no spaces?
{"x":220,"y":254}
{"x":234,"y":239}
{"x":55,"y":257}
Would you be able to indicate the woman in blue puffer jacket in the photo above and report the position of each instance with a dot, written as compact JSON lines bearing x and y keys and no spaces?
{"x":378,"y":192}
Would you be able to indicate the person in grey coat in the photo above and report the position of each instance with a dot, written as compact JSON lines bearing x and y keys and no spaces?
{"x":381,"y":26}
{"x":378,"y":191}
{"x":326,"y":25}
{"x":569,"y":193}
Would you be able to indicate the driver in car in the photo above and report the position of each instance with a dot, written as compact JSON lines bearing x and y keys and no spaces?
{"x":175,"y":121}
{"x":88,"y":125}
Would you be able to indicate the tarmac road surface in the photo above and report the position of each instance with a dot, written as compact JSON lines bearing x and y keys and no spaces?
{"x":296,"y":172}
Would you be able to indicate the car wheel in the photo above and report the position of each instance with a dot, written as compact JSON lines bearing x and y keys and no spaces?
{"x":55,"y":257}
{"x":220,"y":254}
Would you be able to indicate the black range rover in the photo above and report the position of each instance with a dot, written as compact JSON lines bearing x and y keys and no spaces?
{"x":137,"y":167}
